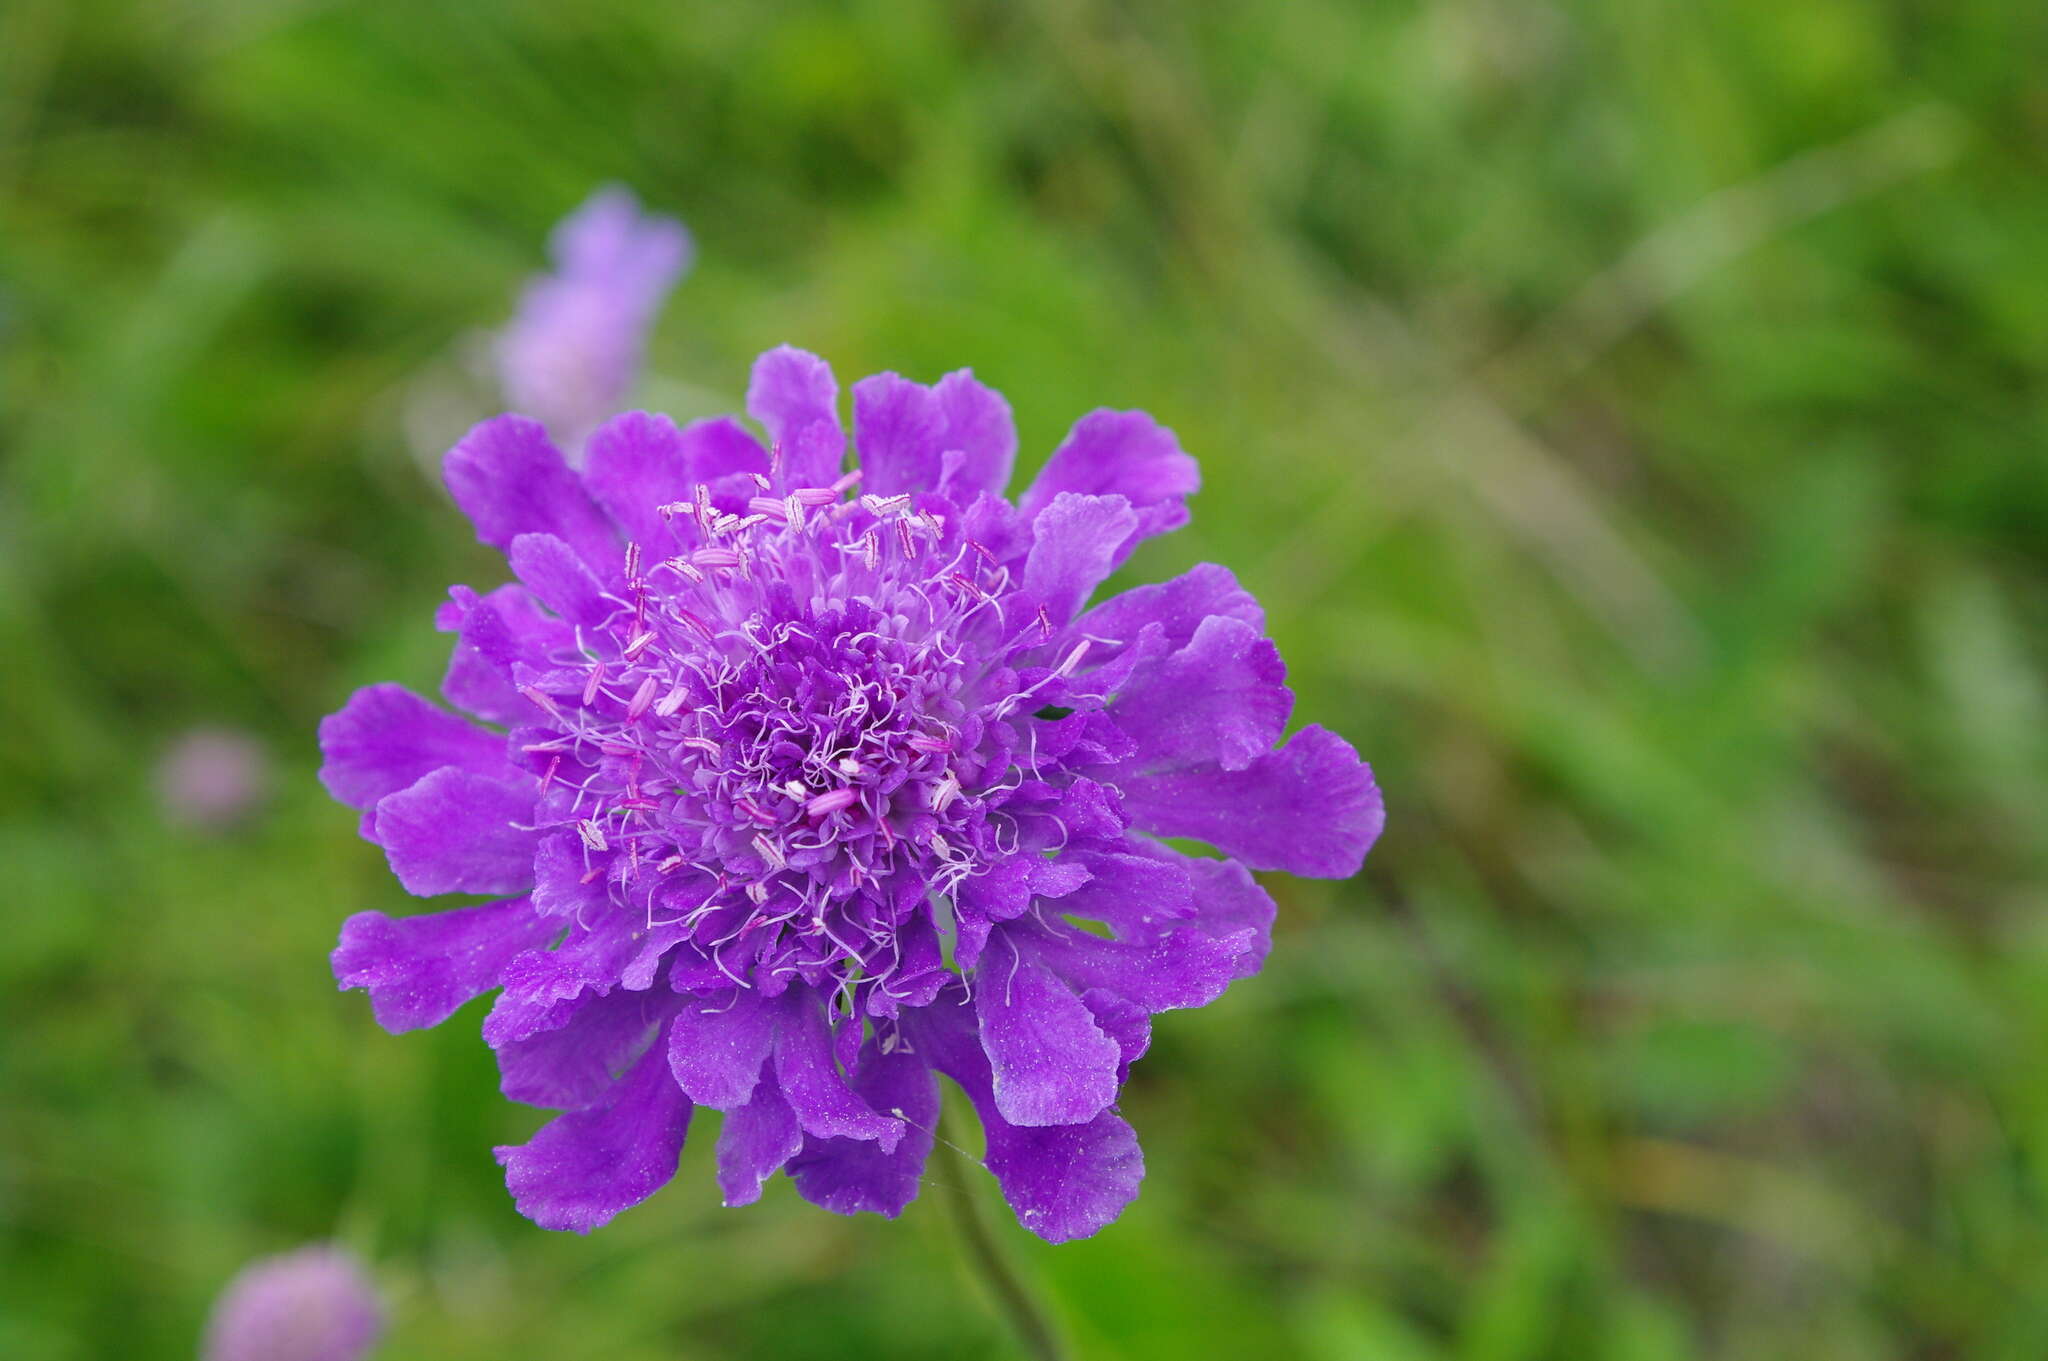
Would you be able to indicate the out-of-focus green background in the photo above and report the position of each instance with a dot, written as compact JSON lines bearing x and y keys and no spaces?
{"x":1633,"y":414}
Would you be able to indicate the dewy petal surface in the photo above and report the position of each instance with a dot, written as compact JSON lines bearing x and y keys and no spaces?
{"x":816,"y":782}
{"x":584,"y":1167}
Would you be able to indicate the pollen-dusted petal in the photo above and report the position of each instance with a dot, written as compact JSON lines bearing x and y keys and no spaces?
{"x":717,"y":1046}
{"x":1309,"y":808}
{"x":1052,"y":1064}
{"x":639,"y":463}
{"x":1073,"y":547}
{"x":897,"y":428}
{"x":510,"y":479}
{"x":1129,"y":1024}
{"x":581,"y":1169}
{"x":564,"y":884}
{"x":1229,"y":903}
{"x":981,"y":431}
{"x":794,"y":396}
{"x":1063,"y":1181}
{"x":756,"y":1140}
{"x":419,"y":970}
{"x":1129,"y":889}
{"x":1160,"y":967}
{"x":386,"y":737}
{"x":454,"y":831}
{"x":847,"y":1176}
{"x":1220,"y":698}
{"x":809,"y":1073}
{"x":576,"y":1063}
{"x":515,"y":627}
{"x":557,"y":577}
{"x":1178,"y":606}
{"x":1121,"y":453}
{"x":544,"y":988}
{"x":632,"y":466}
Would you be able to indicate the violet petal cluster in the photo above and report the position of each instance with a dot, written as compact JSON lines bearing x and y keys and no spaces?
{"x":573,"y":352}
{"x":807,"y":784}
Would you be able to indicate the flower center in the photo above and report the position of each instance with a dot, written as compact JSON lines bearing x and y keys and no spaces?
{"x":771,"y":749}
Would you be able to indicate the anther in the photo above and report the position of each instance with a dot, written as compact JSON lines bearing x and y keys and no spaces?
{"x":642,"y":698}
{"x":590,"y":686}
{"x":592,"y":834}
{"x":830,"y":802}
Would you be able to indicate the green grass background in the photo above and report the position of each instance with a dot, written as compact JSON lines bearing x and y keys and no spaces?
{"x":1633,"y":414}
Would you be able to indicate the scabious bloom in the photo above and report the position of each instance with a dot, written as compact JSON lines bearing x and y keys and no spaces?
{"x":572,"y":354}
{"x":814,"y":782}
{"x":310,"y":1305}
{"x":212,"y":778}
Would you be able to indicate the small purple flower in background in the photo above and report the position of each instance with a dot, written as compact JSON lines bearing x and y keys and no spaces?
{"x":571,"y":356}
{"x":212,"y":778}
{"x":311,"y":1305}
{"x":814,"y":783}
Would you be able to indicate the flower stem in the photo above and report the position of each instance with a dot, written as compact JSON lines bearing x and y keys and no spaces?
{"x":1028,"y":1318}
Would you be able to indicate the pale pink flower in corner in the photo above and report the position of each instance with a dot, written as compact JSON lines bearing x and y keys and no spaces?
{"x":315,"y":1304}
{"x":213,"y":778}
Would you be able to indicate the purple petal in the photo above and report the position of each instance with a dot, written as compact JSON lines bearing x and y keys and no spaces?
{"x":1230,"y":904}
{"x":1121,"y":453}
{"x":804,"y":1065}
{"x":386,"y":737}
{"x":497,"y":631}
{"x":454,"y":831}
{"x":847,"y":1176}
{"x":1220,"y":698}
{"x":576,"y":1063}
{"x":1309,"y":808}
{"x":543,"y":988}
{"x":897,"y":427}
{"x":583,"y":1168}
{"x":418,"y":970}
{"x":557,"y":577}
{"x":511,"y":480}
{"x":980,"y":429}
{"x":1074,"y":546}
{"x":1064,"y":1181}
{"x":757,"y":1139}
{"x":1158,"y":967}
{"x":716,"y":1049}
{"x":793,"y":395}
{"x":632,"y":465}
{"x":1052,"y":1065}
{"x":639,"y":463}
{"x":1129,"y":1024}
{"x":1178,"y":606}
{"x":562,"y":885}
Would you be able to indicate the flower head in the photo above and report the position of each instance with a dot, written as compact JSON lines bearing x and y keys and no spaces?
{"x":572,"y":354}
{"x":212,"y":778}
{"x":309,"y":1305}
{"x":815,"y":782}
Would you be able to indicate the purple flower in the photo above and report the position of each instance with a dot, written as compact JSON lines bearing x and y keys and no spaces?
{"x":212,"y":778}
{"x":572,"y":354}
{"x":813,"y":785}
{"x":309,"y":1305}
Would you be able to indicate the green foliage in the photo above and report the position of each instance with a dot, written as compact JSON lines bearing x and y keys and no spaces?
{"x":1632,"y":415}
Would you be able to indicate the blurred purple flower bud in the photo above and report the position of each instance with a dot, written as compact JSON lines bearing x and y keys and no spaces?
{"x":311,"y":1305}
{"x":212,"y":778}
{"x":571,"y":356}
